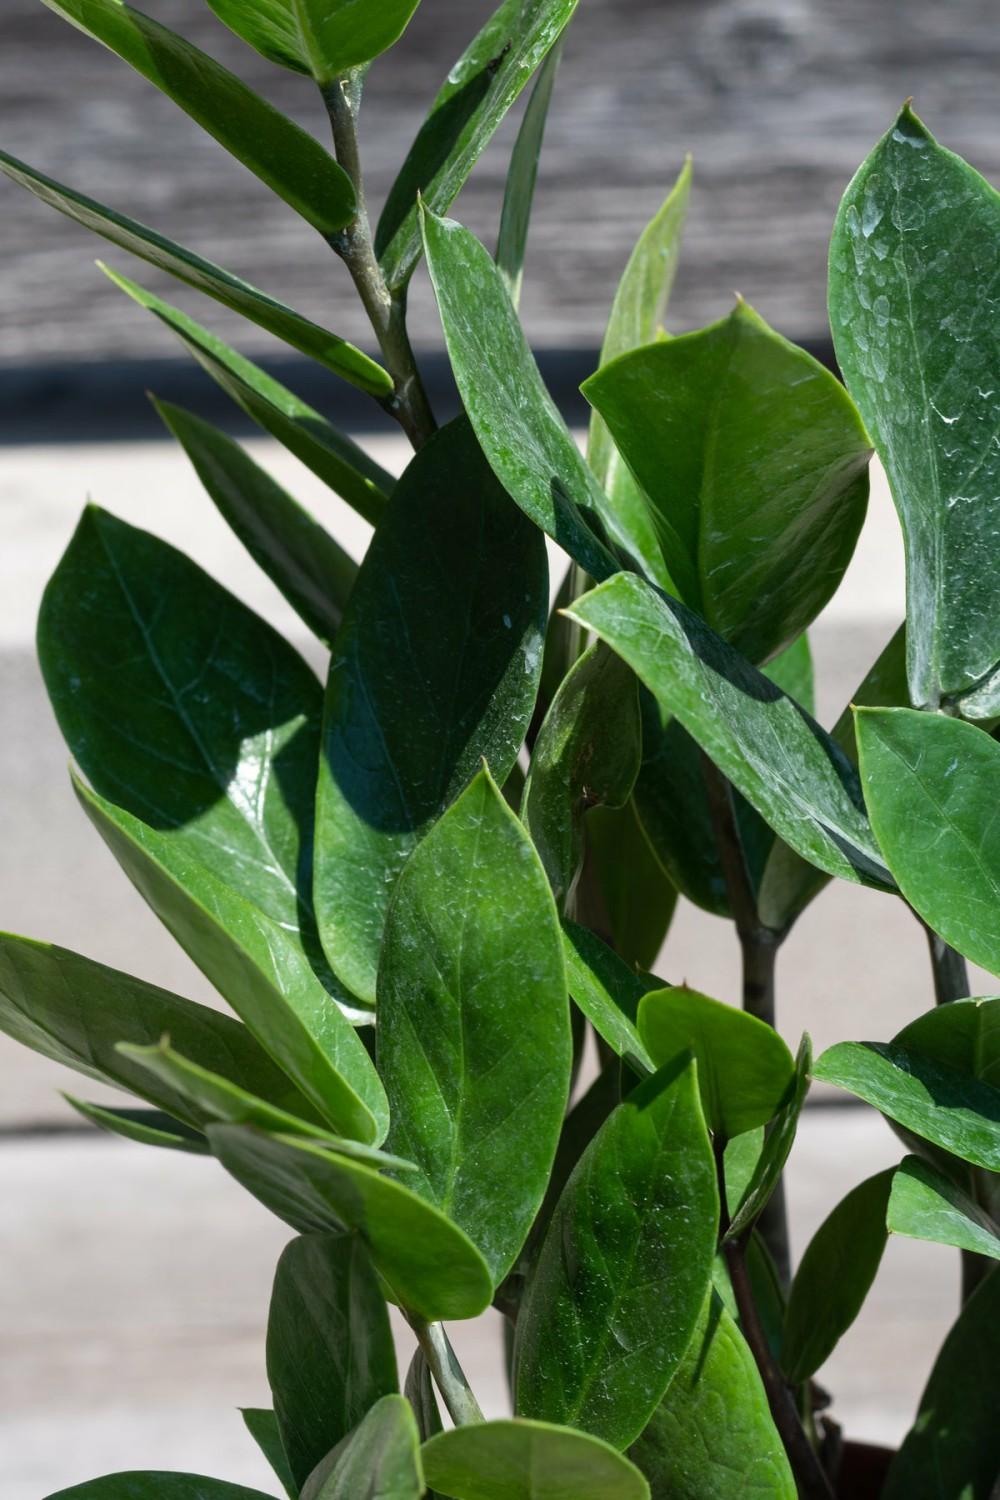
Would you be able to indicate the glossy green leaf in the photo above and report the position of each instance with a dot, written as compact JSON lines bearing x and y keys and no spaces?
{"x":145,"y":1127}
{"x":755,"y":463}
{"x":379,"y":1461}
{"x":634,"y":1232}
{"x":519,"y":1460}
{"x":777,"y":1146}
{"x":834,"y":1277}
{"x":745,"y":1070}
{"x":74,"y":1011}
{"x":927,"y":778}
{"x":307,"y":337}
{"x":637,"y":313}
{"x":608,"y":992}
{"x":262,"y":1425}
{"x":911,"y":304}
{"x":340,"y":35}
{"x":428,"y":1264}
{"x":795,"y":776}
{"x":313,"y":571}
{"x":435,"y":668}
{"x":578,"y":762}
{"x":713,"y":1430}
{"x":927,"y":1205}
{"x":937,"y":1103}
{"x":280,"y":153}
{"x":330,"y":1354}
{"x":522,"y":175}
{"x":638,"y":896}
{"x":964,"y":1035}
{"x":150,"y":1484}
{"x":270,"y":26}
{"x":952,"y":1451}
{"x":332,"y":456}
{"x":536,"y":459}
{"x":476,"y":95}
{"x":475,"y":1062}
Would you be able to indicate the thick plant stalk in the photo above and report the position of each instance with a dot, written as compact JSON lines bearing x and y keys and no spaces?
{"x":449,"y":1377}
{"x":387,"y":314}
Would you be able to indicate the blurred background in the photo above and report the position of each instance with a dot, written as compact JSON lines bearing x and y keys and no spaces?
{"x":133,"y":1284}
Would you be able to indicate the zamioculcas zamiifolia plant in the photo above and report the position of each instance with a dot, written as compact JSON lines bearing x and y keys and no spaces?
{"x":423,"y":887}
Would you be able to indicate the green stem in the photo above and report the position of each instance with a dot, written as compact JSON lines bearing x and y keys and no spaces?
{"x":463,"y":1408}
{"x":354,"y":244}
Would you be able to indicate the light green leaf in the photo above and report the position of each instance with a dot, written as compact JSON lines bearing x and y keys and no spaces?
{"x":911,"y":267}
{"x":586,"y":755}
{"x":379,"y":1461}
{"x":330,"y":1354}
{"x":476,"y":95}
{"x":952,"y":1451}
{"x":74,"y":1011}
{"x":950,"y":1109}
{"x":427,"y":1263}
{"x":341,"y":35}
{"x":834,"y":1277}
{"x":146,"y":1127}
{"x":475,"y":1062}
{"x":639,"y":898}
{"x":745,"y":1071}
{"x":608,"y":992}
{"x":334,"y":458}
{"x":522,"y":1460}
{"x":417,"y":695}
{"x":927,"y":778}
{"x":270,"y":26}
{"x":755,"y":464}
{"x":634,"y":1231}
{"x":770,"y":749}
{"x":262,"y":1425}
{"x":313,"y":572}
{"x":280,"y":153}
{"x":713,"y":1429}
{"x":150,"y":1484}
{"x":777,"y":1144}
{"x":318,"y":343}
{"x":536,"y":459}
{"x":926,"y":1205}
{"x":522,"y":174}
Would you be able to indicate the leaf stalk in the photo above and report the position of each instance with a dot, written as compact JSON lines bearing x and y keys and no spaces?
{"x":449,"y":1377}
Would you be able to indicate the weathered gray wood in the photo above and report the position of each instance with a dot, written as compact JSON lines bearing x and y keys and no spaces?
{"x":778,"y":100}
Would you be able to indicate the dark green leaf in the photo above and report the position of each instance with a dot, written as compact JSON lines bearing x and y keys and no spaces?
{"x":608,"y":992}
{"x":292,"y":163}
{"x":953,"y":1449}
{"x":949,"y":1108}
{"x":927,"y":779}
{"x":313,"y":572}
{"x":318,"y":343}
{"x":519,"y":191}
{"x":330,"y":1353}
{"x":435,"y":668}
{"x":777,"y":1145}
{"x":834,"y":1277}
{"x":911,"y":268}
{"x":522,"y":1460}
{"x":639,"y":898}
{"x":577,"y":763}
{"x":755,"y":463}
{"x":74,"y":1011}
{"x":475,"y":1062}
{"x":262,"y":1425}
{"x":334,"y":458}
{"x":799,"y":781}
{"x":964,"y":1035}
{"x":150,"y":1484}
{"x":536,"y":459}
{"x":428,"y":1264}
{"x":480,"y":88}
{"x":147,"y":1127}
{"x":379,"y":1461}
{"x":712,"y":1434}
{"x":926,"y":1205}
{"x":745,"y":1070}
{"x":634,"y":1232}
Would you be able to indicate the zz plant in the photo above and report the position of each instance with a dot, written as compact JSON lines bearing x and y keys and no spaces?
{"x":422,"y":888}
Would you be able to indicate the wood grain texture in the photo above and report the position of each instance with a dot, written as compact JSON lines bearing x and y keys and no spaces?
{"x":778,"y":99}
